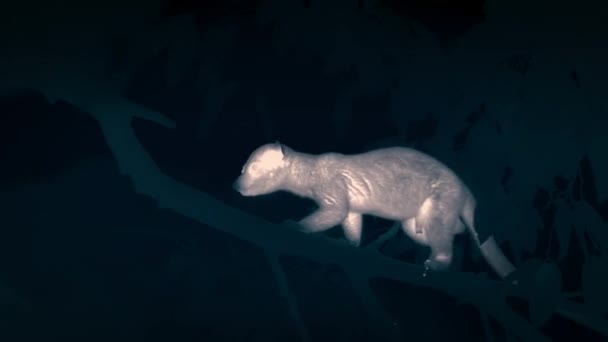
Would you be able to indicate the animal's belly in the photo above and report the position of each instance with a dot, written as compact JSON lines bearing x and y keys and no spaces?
{"x":409,"y":227}
{"x":387,"y":207}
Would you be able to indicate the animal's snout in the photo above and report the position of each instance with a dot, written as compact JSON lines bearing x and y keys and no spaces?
{"x":240,"y":187}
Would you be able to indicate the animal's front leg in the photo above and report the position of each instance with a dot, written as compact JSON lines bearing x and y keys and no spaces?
{"x":352,"y":228}
{"x":323,"y":219}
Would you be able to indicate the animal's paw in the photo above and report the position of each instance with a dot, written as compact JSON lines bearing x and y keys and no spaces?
{"x":435,"y":265}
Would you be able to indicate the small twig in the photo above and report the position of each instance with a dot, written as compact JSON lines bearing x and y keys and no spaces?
{"x":376,"y":312}
{"x":580,"y":314}
{"x":486,"y":326}
{"x":292,"y":302}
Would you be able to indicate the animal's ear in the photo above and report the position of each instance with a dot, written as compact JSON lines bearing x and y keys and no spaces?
{"x":283,"y":148}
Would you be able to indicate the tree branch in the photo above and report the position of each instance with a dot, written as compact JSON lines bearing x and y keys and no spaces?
{"x":115,"y":116}
{"x":286,"y":293}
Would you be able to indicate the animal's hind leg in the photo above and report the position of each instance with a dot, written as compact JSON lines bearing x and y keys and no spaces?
{"x":441,"y":254}
{"x":440,"y":222}
{"x":424,"y":216}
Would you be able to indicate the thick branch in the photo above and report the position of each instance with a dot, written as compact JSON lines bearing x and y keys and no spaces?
{"x":115,"y":115}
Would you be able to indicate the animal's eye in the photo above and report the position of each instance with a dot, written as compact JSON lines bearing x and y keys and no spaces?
{"x":254,"y":167}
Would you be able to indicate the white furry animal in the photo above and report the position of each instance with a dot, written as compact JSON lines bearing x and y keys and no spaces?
{"x":396,"y":183}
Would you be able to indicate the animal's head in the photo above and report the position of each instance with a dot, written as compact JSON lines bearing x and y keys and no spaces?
{"x":264,"y":171}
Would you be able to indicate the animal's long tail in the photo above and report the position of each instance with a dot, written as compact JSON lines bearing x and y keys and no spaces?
{"x":468,"y":218}
{"x":496,"y":258}
{"x":489,"y":248}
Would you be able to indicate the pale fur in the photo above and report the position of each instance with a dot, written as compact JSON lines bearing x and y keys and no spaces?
{"x":395,"y":183}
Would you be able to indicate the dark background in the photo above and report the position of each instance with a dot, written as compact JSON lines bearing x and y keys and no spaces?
{"x":510,"y":94}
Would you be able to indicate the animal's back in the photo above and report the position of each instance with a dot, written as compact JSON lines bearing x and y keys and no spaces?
{"x":390,"y":182}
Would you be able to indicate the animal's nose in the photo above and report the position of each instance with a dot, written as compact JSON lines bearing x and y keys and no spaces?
{"x":235,"y":185}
